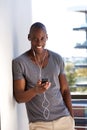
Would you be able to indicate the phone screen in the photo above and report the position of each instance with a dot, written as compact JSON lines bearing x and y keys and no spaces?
{"x":44,"y":80}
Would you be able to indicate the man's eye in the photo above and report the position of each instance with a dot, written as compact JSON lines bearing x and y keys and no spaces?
{"x":43,"y":39}
{"x":34,"y":39}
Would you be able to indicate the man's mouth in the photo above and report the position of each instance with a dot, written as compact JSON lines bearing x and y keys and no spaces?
{"x":39,"y":47}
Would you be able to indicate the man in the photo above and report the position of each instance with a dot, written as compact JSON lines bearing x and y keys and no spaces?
{"x":39,"y":81}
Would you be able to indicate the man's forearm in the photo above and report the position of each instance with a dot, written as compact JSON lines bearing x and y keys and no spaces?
{"x":25,"y":96}
{"x":68,"y":103}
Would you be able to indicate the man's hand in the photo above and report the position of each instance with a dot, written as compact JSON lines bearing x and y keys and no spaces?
{"x":42,"y":87}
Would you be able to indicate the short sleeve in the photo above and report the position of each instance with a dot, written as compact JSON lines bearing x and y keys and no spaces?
{"x":17,"y":70}
{"x":62,"y":66}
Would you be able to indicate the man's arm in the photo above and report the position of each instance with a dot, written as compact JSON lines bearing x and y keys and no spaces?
{"x":65,"y":92}
{"x":20,"y":94}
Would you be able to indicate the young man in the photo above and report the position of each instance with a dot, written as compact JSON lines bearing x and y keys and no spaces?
{"x":39,"y":81}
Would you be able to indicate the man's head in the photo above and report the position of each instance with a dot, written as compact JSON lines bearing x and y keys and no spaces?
{"x":36,"y":26}
{"x":38,"y":36}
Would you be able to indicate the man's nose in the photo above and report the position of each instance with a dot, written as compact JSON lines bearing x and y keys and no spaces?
{"x":39,"y":41}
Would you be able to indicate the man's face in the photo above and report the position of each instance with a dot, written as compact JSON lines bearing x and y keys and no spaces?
{"x":38,"y":39}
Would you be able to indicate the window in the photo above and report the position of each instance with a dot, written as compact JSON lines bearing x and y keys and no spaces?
{"x":60,"y":19}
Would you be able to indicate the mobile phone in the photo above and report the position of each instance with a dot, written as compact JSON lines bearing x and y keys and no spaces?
{"x":44,"y":80}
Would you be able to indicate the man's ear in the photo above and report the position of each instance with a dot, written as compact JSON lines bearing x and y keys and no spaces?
{"x":47,"y":36}
{"x":29,"y":37}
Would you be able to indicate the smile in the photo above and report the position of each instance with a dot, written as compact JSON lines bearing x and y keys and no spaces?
{"x":39,"y":47}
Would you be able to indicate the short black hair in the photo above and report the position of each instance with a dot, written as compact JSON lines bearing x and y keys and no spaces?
{"x":38,"y":25}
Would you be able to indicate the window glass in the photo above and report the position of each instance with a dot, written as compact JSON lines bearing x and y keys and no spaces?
{"x":61,"y":21}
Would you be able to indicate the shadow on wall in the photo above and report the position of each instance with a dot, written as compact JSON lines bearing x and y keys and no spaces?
{"x":21,"y":19}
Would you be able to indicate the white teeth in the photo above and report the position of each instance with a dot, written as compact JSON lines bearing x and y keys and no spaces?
{"x":39,"y":46}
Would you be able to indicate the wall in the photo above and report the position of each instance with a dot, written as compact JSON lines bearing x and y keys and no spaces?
{"x":15,"y":19}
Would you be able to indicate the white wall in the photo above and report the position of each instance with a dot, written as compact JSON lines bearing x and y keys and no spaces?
{"x":15,"y":19}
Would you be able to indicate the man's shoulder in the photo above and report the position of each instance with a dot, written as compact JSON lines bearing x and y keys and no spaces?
{"x":21,"y":58}
{"x":55,"y":54}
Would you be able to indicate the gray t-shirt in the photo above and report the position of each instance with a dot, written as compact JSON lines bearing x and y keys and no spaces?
{"x":49,"y":105}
